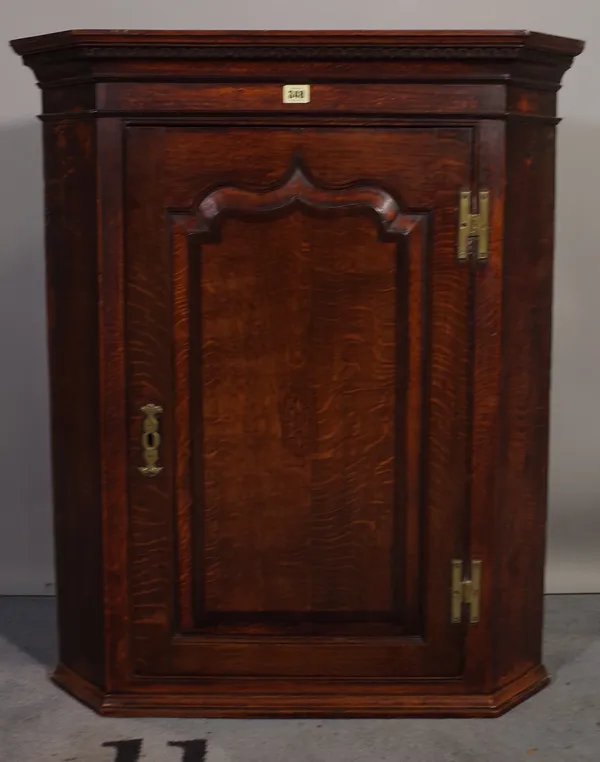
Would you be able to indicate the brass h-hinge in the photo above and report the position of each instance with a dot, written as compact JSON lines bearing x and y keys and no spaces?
{"x":474,"y":225}
{"x":466,"y":591}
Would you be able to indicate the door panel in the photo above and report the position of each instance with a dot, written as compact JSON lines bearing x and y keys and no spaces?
{"x":295,"y":307}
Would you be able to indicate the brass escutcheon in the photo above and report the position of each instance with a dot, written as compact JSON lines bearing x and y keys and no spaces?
{"x":150,"y":440}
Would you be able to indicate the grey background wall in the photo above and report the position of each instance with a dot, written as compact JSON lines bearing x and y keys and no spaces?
{"x":26,"y":559}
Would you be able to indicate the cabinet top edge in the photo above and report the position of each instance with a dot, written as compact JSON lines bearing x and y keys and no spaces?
{"x":163,"y":43}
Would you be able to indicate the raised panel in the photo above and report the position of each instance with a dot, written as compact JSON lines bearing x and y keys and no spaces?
{"x":298,"y":418}
{"x":298,"y":325}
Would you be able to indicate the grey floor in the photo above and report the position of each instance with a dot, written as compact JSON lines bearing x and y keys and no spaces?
{"x":39,"y":723}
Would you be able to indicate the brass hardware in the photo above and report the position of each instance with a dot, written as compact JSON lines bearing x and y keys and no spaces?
{"x":483,"y":226}
{"x":464,"y":217}
{"x":150,"y":440}
{"x":474,"y":225}
{"x":466,"y":591}
{"x":296,"y":93}
{"x":457,"y":593}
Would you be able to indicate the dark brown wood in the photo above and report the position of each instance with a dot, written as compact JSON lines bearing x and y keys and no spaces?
{"x":307,"y":403}
{"x":73,"y":336}
{"x":347,"y":407}
{"x":520,"y":508}
{"x":202,"y":702}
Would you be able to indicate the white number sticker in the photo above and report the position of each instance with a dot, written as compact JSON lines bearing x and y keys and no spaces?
{"x":296,"y":93}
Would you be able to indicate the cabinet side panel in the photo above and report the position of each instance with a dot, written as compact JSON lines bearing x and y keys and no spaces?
{"x":73,"y":347}
{"x":520,"y":528}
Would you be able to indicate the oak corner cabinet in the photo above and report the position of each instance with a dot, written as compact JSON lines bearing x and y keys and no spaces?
{"x":299,"y":308}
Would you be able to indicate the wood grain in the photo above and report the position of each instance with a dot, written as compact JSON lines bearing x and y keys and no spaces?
{"x":299,"y":424}
{"x":72,"y":289}
{"x":339,"y":98}
{"x":306,"y":366}
{"x":521,"y":509}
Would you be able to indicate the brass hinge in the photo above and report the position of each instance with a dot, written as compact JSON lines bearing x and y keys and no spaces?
{"x":474,"y":225}
{"x":467,"y":591}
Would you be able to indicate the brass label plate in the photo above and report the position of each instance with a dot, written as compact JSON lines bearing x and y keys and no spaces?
{"x":296,"y":93}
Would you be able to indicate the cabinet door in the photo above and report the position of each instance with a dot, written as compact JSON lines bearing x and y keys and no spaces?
{"x":295,"y":307}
